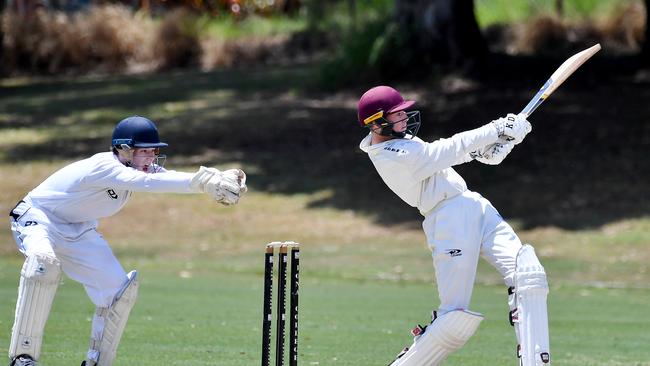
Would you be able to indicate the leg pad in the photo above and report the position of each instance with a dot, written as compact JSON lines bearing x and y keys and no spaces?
{"x":39,"y":280}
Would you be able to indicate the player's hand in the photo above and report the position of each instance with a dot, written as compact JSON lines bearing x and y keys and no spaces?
{"x":241,"y":179}
{"x":493,"y":154}
{"x":202,"y":177}
{"x":230,"y":187}
{"x":225,"y":187}
{"x":513,"y":127}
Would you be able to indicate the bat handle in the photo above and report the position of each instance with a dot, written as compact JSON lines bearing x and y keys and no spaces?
{"x":538,"y":99}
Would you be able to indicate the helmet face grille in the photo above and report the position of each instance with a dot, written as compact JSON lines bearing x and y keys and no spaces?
{"x":412,"y":126}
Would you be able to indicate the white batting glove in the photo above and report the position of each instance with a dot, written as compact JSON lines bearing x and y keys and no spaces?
{"x":513,"y":127}
{"x":493,"y":154}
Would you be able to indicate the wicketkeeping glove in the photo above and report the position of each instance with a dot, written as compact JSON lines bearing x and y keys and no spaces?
{"x":225,"y":187}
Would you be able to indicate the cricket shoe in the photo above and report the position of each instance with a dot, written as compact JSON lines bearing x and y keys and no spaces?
{"x":22,"y":360}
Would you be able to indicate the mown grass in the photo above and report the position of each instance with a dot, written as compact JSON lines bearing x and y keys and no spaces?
{"x":213,"y":318}
{"x":366,"y":271}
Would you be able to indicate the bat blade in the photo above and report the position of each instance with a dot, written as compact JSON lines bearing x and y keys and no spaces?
{"x":565,"y":70}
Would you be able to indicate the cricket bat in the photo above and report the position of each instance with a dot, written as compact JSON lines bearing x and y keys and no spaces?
{"x":557,"y":78}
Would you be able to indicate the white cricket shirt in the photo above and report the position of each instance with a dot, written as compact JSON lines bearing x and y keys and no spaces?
{"x":97,"y":187}
{"x":420,"y":172}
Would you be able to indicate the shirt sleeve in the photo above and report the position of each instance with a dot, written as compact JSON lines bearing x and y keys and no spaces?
{"x":119,"y":176}
{"x":464,"y":159}
{"x":445,"y":153}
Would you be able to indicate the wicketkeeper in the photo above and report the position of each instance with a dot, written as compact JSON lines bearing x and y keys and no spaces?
{"x":55,"y":227}
{"x":459,"y":225}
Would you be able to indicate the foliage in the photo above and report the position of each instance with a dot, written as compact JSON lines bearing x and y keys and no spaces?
{"x":111,"y":38}
{"x":354,"y":56}
{"x":253,"y":26}
{"x":52,"y":41}
{"x":360,"y":42}
{"x":176,"y":41}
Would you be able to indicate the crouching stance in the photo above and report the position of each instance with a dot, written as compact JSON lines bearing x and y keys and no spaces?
{"x":55,"y":227}
{"x":460,"y":225}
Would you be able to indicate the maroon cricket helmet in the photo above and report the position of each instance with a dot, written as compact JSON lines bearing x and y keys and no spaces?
{"x":379,"y":101}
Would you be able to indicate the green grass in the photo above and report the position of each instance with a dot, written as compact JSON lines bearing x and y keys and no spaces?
{"x":213,"y":318}
{"x":513,"y":11}
{"x":366,"y":272}
{"x":254,"y":26}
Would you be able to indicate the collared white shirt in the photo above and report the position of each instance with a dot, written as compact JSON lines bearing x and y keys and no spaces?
{"x":420,"y":172}
{"x":97,"y":187}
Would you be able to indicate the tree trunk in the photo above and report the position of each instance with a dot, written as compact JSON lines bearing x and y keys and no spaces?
{"x":645,"y":50}
{"x":352,"y":8}
{"x":443,"y":32}
{"x":290,"y":7}
{"x":559,"y":8}
{"x":2,"y":38}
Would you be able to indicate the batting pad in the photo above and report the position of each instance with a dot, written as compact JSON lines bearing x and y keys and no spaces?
{"x":109,"y":324}
{"x":531,"y":289}
{"x":444,"y":335}
{"x":39,"y":279}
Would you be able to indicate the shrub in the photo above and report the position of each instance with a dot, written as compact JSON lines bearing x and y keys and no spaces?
{"x":242,"y":51}
{"x":356,"y":57}
{"x":108,"y":37}
{"x":176,"y":41}
{"x":112,"y":38}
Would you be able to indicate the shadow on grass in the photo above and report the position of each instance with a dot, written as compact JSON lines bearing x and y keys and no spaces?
{"x":582,"y":166}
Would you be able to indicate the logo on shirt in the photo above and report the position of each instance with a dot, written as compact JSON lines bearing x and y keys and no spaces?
{"x":454,"y":252}
{"x":399,"y":151}
{"x":112,"y":194}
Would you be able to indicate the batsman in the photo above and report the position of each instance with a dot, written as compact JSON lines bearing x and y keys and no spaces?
{"x":55,"y":228}
{"x":460,"y":225}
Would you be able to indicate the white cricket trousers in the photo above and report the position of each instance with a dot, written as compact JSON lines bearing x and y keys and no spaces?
{"x":84,"y":255}
{"x":460,"y":229}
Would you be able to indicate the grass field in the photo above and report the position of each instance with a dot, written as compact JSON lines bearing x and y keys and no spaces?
{"x":366,"y":274}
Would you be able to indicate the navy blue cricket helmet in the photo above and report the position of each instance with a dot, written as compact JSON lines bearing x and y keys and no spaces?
{"x":136,"y":131}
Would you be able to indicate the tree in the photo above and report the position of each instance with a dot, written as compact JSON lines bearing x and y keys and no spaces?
{"x":443,"y":32}
{"x":2,"y":38}
{"x":645,"y":50}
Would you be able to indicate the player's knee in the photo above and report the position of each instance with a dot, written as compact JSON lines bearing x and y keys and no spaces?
{"x":112,"y":291}
{"x":42,"y":267}
{"x":130,"y":286}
